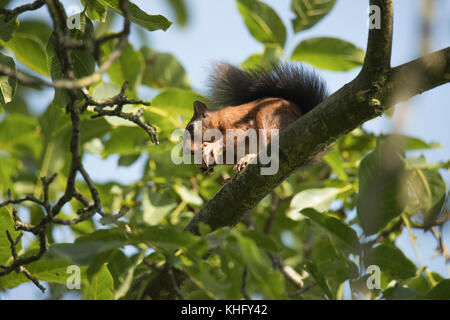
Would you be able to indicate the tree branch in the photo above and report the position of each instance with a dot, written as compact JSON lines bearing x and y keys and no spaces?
{"x":9,"y":14}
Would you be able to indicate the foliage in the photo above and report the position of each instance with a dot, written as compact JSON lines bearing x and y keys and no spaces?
{"x":327,"y":222}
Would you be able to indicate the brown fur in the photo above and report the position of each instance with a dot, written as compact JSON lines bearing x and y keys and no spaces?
{"x":264,"y":113}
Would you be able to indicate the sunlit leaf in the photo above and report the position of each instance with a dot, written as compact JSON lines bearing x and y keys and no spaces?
{"x":309,"y":12}
{"x":147,"y":21}
{"x":263,"y":22}
{"x":391,"y":261}
{"x":7,"y":84}
{"x":329,"y":53}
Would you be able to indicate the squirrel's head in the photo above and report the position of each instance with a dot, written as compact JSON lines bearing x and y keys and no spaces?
{"x":199,"y":123}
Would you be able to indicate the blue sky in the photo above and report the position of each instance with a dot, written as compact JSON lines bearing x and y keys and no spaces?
{"x":216,"y":32}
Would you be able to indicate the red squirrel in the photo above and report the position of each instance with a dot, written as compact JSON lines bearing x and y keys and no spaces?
{"x":259,"y":100}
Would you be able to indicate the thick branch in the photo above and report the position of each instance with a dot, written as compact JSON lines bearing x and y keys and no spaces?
{"x":379,"y":44}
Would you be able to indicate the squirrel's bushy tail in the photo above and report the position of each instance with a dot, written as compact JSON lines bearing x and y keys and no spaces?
{"x":230,"y":85}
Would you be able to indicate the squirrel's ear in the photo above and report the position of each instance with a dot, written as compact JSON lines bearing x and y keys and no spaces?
{"x":200,"y":108}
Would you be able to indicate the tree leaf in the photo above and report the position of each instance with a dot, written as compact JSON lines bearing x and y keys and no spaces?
{"x":81,"y":253}
{"x":83,"y":65}
{"x":107,"y":90}
{"x":8,"y":85}
{"x":260,"y":267}
{"x":54,"y":271}
{"x":329,"y":53}
{"x":181,"y":12}
{"x":147,"y":21}
{"x":156,"y":206}
{"x":318,"y":199}
{"x":100,"y":287}
{"x":29,"y":50}
{"x":339,"y":230}
{"x":427,"y":191}
{"x":410,"y":143}
{"x":6,"y":224}
{"x":309,"y":12}
{"x":188,"y":195}
{"x":263,"y":22}
{"x":382,"y":192}
{"x":37,"y":28}
{"x":7,"y":28}
{"x":312,"y":269}
{"x":95,"y":10}
{"x":391,"y":261}
{"x":441,"y":291}
{"x":129,"y":67}
{"x":268,"y":56}
{"x":163,"y":70}
{"x":122,"y":269}
{"x":334,"y":160}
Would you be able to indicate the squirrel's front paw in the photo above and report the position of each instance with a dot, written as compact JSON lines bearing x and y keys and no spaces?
{"x":212,"y":153}
{"x":244,"y":161}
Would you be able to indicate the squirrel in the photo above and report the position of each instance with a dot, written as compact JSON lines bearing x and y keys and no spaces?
{"x":267,"y":98}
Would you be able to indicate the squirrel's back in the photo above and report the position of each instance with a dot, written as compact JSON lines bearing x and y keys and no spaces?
{"x":232,"y":86}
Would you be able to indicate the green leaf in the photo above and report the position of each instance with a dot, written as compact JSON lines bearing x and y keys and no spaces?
{"x":268,"y":56}
{"x":147,"y":21}
{"x":136,"y":140}
{"x":382,"y":192}
{"x":54,"y":271}
{"x":100,"y":287}
{"x":7,"y":28}
{"x":81,"y":253}
{"x":410,"y":143}
{"x":427,"y":191}
{"x":263,"y":22}
{"x":127,"y":160}
{"x":95,"y":10}
{"x":334,"y":160}
{"x":391,"y":261}
{"x":107,"y":90}
{"x":188,"y":195}
{"x":260,"y":267}
{"x":168,"y":237}
{"x":129,"y":67}
{"x":122,"y":269}
{"x":6,"y":224}
{"x":262,"y":240}
{"x":37,"y":28}
{"x":181,"y":12}
{"x":312,"y":269}
{"x":83,"y":65}
{"x":400,"y":293}
{"x":8,"y":167}
{"x":8,"y":85}
{"x":19,"y":132}
{"x":338,"y":229}
{"x":329,"y":53}
{"x":29,"y":50}
{"x":308,"y":12}
{"x":163,"y":70}
{"x":156,"y":206}
{"x":441,"y":291}
{"x":318,"y":199}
